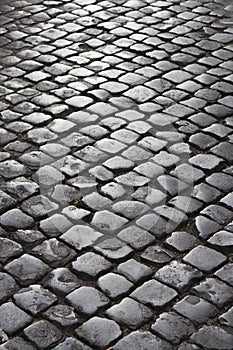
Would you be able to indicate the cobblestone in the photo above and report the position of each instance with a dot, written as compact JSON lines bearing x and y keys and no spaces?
{"x":116,"y":174}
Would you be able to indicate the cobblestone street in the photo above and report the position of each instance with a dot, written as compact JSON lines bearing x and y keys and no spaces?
{"x":116,"y":175}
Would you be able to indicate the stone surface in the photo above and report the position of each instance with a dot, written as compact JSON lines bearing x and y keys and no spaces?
{"x":99,"y":332}
{"x":87,"y":300}
{"x":116,"y":174}
{"x":13,"y":318}
{"x":154,"y":293}
{"x":129,"y":313}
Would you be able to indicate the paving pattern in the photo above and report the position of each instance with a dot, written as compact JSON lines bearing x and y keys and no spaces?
{"x":116,"y":175}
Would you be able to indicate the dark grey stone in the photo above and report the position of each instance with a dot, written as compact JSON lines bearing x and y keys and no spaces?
{"x":213,"y":337}
{"x":142,"y":340}
{"x":99,"y":332}
{"x":91,"y":265}
{"x":215,"y":291}
{"x":196,"y":309}
{"x":154,"y":293}
{"x":43,"y":334}
{"x":70,"y":344}
{"x":16,"y":219}
{"x":172,"y":327}
{"x":8,"y":286}
{"x":204,"y":258}
{"x":13,"y":319}
{"x":9,"y":249}
{"x":178,"y":275}
{"x":27,"y":269}
{"x":64,"y":315}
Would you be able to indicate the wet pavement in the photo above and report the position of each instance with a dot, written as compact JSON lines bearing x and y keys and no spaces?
{"x":116,"y":175}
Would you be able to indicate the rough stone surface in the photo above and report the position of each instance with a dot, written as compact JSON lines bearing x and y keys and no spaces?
{"x":116,"y":174}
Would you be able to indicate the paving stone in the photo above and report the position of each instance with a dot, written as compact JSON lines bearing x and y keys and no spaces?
{"x":223,"y":150}
{"x":134,"y":271}
{"x":13,"y":318}
{"x":96,"y":202}
{"x":157,"y":255}
{"x":213,"y":337}
{"x":171,"y":184}
{"x":154,"y":293}
{"x":142,"y":340}
{"x":155,"y":224}
{"x":27,"y":269}
{"x":21,"y":188}
{"x":215,"y":291}
{"x":35,"y":159}
{"x":218,"y":213}
{"x":99,"y":332}
{"x":10,"y":169}
{"x":53,"y":252}
{"x":205,"y":193}
{"x":181,"y":241}
{"x":205,"y":161}
{"x":28,"y":236}
{"x":34,"y":299}
{"x":195,"y":309}
{"x":130,"y":209}
{"x":91,"y":265}
{"x":188,"y":346}
{"x":172,"y":214}
{"x":205,"y":226}
{"x":69,"y":343}
{"x":9,"y":249}
{"x":62,"y":314}
{"x":204,"y":258}
{"x":114,"y":285}
{"x":129,"y":313}
{"x":8,"y":286}
{"x":202,"y":141}
{"x":113,"y":190}
{"x":221,"y":239}
{"x":81,"y":236}
{"x":221,"y":181}
{"x":172,"y":327}
{"x":136,"y":237}
{"x":55,"y":225}
{"x":113,"y":249}
{"x":105,"y":220}
{"x":140,"y":94}
{"x":62,"y":281}
{"x":16,"y":219}
{"x":178,"y":275}
{"x":87,"y":300}
{"x":39,"y":206}
{"x":6,"y":202}
{"x":225,"y":273}
{"x":226,"y":319}
{"x":119,"y":163}
{"x":41,"y":136}
{"x":43,"y":333}
{"x":17,"y":343}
